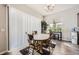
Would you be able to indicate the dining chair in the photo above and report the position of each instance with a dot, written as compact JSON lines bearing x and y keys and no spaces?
{"x":52,"y":46}
{"x":32,"y":43}
{"x":30,"y":38}
{"x":29,"y":48}
{"x":49,"y":46}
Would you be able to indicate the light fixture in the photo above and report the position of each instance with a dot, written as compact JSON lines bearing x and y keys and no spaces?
{"x":49,"y":7}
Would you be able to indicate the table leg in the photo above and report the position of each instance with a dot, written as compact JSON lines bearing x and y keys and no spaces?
{"x":41,"y":47}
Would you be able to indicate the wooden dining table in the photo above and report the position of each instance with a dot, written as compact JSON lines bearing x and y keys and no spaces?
{"x":40,"y":38}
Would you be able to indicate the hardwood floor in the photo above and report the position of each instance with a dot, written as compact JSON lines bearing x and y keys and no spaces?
{"x":62,"y":48}
{"x":65,"y":48}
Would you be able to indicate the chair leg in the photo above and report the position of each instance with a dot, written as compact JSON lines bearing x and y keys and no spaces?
{"x":52,"y":51}
{"x":33,"y":52}
{"x":49,"y":48}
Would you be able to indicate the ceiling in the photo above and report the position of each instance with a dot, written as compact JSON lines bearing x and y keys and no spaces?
{"x":58,"y":7}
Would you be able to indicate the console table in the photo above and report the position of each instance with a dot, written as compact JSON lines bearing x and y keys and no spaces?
{"x":57,"y":35}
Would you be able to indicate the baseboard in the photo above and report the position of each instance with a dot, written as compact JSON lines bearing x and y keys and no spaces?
{"x":66,"y":41}
{"x":3,"y":52}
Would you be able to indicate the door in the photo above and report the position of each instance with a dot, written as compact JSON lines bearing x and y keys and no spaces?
{"x":3,"y":38}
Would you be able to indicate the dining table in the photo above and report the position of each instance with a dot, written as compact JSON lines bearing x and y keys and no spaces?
{"x":40,"y":38}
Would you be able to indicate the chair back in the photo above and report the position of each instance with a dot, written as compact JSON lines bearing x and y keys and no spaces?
{"x":30,"y":37}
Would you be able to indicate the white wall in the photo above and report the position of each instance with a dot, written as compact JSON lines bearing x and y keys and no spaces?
{"x":68,"y":18}
{"x":26,"y":9}
{"x":20,"y":23}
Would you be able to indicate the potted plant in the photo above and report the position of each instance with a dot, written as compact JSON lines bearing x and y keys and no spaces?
{"x":43,"y":26}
